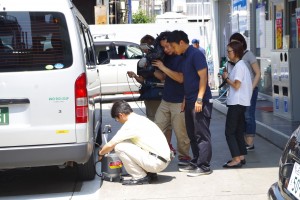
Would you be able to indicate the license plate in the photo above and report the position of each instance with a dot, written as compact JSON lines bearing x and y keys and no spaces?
{"x":294,"y":183}
{"x":4,"y":116}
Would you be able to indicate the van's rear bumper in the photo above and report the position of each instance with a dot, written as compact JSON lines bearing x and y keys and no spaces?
{"x":44,"y":155}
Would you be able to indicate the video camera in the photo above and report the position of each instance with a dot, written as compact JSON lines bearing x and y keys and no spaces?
{"x":153,"y":52}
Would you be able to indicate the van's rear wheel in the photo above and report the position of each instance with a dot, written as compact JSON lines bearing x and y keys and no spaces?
{"x":87,"y":170}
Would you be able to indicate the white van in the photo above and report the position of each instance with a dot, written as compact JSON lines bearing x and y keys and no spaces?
{"x":48,"y":84}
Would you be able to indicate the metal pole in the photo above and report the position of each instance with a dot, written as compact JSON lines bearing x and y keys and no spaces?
{"x":152,"y":8}
{"x":129,"y":12}
{"x":147,"y":7}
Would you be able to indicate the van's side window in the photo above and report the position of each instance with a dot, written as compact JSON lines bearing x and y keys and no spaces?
{"x":88,"y":46}
{"x":33,"y":41}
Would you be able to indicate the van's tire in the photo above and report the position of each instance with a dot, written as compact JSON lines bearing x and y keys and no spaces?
{"x":87,"y":170}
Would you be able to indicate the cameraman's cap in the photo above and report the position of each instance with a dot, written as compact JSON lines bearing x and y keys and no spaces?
{"x":195,"y":41}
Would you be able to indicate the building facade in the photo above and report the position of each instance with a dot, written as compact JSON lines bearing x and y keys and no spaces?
{"x":271,"y":28}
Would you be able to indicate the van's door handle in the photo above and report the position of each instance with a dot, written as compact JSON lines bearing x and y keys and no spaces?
{"x":14,"y":101}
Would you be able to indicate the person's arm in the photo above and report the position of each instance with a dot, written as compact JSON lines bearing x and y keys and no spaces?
{"x":182,"y":107}
{"x":139,"y":79}
{"x":257,"y":72}
{"x":202,"y":88}
{"x":177,"y":76}
{"x":252,"y":61}
{"x":108,"y":147}
{"x":236,"y":84}
{"x":159,"y":75}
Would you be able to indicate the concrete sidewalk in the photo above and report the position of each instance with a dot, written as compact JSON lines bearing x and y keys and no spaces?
{"x":250,"y":182}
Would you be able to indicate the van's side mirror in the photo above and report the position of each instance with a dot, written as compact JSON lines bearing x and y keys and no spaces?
{"x":103,"y":58}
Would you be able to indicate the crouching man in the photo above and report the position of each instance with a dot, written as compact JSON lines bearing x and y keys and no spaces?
{"x":140,"y":144}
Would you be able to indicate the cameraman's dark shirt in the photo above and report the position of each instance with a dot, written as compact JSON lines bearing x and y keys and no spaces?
{"x":193,"y":61}
{"x":173,"y":91}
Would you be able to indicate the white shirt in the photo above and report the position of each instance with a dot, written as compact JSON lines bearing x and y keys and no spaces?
{"x":145,"y":134}
{"x":242,"y":96}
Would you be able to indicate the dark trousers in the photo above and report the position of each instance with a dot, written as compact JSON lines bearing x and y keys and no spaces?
{"x":197,"y":126}
{"x":234,"y":130}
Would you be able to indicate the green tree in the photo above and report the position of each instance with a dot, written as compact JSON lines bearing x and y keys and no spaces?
{"x":140,"y":17}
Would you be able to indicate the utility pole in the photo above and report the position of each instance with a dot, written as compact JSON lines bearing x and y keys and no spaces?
{"x":129,"y":11}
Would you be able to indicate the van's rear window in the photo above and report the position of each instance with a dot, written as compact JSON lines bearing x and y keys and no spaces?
{"x":32,"y":41}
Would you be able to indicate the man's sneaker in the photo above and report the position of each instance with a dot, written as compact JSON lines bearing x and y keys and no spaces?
{"x":172,"y":148}
{"x":199,"y":172}
{"x":184,"y":161}
{"x":187,"y":168}
{"x":250,"y":147}
{"x":152,"y":176}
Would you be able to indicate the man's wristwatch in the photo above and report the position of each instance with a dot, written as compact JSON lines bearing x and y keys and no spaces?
{"x":199,"y":100}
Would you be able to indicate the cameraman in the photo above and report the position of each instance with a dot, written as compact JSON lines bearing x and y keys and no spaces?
{"x":151,"y":105}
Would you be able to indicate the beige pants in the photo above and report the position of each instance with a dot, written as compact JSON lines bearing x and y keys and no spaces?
{"x":170,"y":113}
{"x":151,"y":108}
{"x":137,"y":161}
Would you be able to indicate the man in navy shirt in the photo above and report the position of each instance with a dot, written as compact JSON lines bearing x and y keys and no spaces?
{"x":170,"y":109}
{"x":198,"y":106}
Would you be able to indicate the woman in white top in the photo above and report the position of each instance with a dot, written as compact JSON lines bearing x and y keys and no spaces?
{"x":255,"y":73}
{"x":240,"y":91}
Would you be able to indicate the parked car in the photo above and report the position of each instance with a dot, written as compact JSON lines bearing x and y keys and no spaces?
{"x":48,"y":84}
{"x":113,"y":65}
{"x":288,"y":185}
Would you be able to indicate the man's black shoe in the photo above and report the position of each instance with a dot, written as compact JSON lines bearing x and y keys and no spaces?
{"x":152,"y":176}
{"x":140,"y":181}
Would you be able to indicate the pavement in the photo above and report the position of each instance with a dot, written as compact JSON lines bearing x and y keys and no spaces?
{"x":252,"y":181}
{"x":276,"y":130}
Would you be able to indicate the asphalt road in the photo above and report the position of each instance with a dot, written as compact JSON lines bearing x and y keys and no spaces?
{"x":250,"y":182}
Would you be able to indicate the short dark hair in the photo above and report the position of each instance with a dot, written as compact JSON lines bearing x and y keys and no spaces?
{"x":120,"y":106}
{"x":177,"y":35}
{"x":163,"y":35}
{"x":148,"y":39}
{"x":239,"y":37}
{"x":237,"y":47}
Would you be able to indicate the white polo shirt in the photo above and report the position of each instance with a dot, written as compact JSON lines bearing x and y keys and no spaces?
{"x":242,"y":96}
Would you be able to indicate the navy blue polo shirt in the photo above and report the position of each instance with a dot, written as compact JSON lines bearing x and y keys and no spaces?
{"x":173,"y":91}
{"x":194,"y":61}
